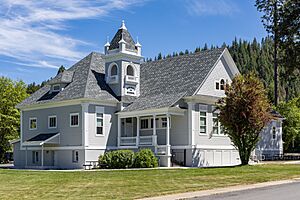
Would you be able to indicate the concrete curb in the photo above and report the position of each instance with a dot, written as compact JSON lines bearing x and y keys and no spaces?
{"x":203,"y":193}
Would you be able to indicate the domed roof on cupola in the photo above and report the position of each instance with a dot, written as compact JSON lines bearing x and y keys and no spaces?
{"x":125,"y":35}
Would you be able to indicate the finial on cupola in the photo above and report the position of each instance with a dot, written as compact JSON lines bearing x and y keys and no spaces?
{"x":122,"y":43}
{"x":138,"y":46}
{"x":123,"y":25}
{"x":106,"y":46}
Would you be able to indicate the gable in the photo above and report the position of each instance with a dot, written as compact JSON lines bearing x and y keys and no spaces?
{"x":222,"y":70}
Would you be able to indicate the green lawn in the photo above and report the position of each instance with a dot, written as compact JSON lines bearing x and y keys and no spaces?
{"x":24,"y":184}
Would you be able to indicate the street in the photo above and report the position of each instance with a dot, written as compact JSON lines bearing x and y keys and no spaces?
{"x":290,"y":191}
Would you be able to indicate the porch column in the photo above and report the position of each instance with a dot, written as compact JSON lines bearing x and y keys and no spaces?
{"x":119,"y":131}
{"x":154,"y":142}
{"x":137,"y":131}
{"x":42,"y":156}
{"x":168,"y":152}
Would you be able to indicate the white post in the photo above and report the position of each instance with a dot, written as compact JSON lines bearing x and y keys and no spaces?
{"x":137,"y":131}
{"x":168,"y":141}
{"x":42,"y":156}
{"x":154,"y":140}
{"x":190,"y":123}
{"x":119,"y":131}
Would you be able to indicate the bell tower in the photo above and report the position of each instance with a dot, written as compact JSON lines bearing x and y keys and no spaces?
{"x":122,"y":63}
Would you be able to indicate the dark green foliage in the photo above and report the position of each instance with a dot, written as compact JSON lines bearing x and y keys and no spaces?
{"x":32,"y":88}
{"x":61,"y":69}
{"x":145,"y":158}
{"x":291,"y":125}
{"x":11,"y":93}
{"x":244,"y":112}
{"x":120,"y":159}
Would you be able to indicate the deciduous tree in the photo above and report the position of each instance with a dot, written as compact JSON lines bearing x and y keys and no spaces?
{"x":244,"y":112}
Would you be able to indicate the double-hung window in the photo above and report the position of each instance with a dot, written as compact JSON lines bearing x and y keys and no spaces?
{"x":74,"y":120}
{"x":52,"y":122}
{"x":202,"y":122}
{"x":99,"y":124}
{"x":35,"y":156}
{"x":75,"y":156}
{"x":33,"y":123}
{"x":215,"y":124}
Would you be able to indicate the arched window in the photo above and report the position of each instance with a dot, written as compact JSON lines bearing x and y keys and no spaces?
{"x":114,"y":70}
{"x":130,"y":70}
{"x":222,"y":84}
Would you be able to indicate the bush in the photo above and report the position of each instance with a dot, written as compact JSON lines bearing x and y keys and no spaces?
{"x":119,"y":159}
{"x":145,"y":158}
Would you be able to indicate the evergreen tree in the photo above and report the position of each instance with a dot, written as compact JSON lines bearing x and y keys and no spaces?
{"x":61,"y":69}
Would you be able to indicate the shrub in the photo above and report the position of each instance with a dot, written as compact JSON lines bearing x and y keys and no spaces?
{"x":119,"y":159}
{"x":145,"y":158}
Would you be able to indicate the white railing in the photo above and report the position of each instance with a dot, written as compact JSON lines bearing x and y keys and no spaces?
{"x":147,"y":140}
{"x":128,"y":141}
{"x":131,"y":79}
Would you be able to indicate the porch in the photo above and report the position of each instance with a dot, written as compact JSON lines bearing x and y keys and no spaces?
{"x":149,"y":130}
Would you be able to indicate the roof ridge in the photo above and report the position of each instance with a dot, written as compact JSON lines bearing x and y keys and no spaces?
{"x":185,"y":55}
{"x":88,"y":75}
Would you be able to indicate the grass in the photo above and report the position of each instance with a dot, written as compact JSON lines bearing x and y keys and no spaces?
{"x":129,"y":184}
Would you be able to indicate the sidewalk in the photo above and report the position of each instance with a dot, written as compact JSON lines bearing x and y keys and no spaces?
{"x":221,"y":190}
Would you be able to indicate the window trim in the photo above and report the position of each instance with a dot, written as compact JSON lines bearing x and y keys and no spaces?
{"x":205,"y":122}
{"x":74,"y":114}
{"x":159,"y":121}
{"x":133,"y":70}
{"x":33,"y":118}
{"x":52,"y":116}
{"x":75,"y":159}
{"x":219,"y":126}
{"x":103,"y":133}
{"x":110,"y":68}
{"x":35,"y":157}
{"x":54,"y":86}
{"x":219,"y":82}
{"x":130,"y":94}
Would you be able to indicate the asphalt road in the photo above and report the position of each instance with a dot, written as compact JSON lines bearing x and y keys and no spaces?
{"x":290,"y":191}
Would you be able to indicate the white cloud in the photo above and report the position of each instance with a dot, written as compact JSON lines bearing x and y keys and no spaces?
{"x":29,"y":29}
{"x":211,"y":7}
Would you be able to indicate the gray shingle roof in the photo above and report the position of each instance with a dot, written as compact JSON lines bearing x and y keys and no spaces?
{"x":88,"y":82}
{"x":166,"y":81}
{"x":114,"y":44}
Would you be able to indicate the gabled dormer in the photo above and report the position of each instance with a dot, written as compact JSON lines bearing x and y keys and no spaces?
{"x":61,"y":81}
{"x":122,"y":63}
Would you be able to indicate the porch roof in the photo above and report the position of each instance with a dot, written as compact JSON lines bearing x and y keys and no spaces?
{"x":43,"y":138}
{"x":148,"y":112}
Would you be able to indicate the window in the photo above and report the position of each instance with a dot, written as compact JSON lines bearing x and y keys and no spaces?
{"x":273,"y":132}
{"x":32,"y":123}
{"x":35,"y":156}
{"x":74,"y":119}
{"x":144,"y":123}
{"x":222,"y":84}
{"x":202,"y":122}
{"x":164,"y":122}
{"x":217,"y":85}
{"x":99,"y":124}
{"x":215,"y":124}
{"x":56,"y":88}
{"x":75,"y":156}
{"x":52,"y":122}
{"x":130,"y":70}
{"x":114,"y":70}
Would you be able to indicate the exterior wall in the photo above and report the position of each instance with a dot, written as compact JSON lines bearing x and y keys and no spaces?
{"x":209,"y":138}
{"x":110,"y":122}
{"x":64,"y":159}
{"x":69,"y":136}
{"x":221,"y":71}
{"x":179,"y":130}
{"x":19,"y":155}
{"x":268,"y":146}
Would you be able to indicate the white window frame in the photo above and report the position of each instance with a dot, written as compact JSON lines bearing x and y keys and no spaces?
{"x":49,"y":117}
{"x":75,"y":158}
{"x":33,"y":118}
{"x":158,"y":120}
{"x":54,"y":87}
{"x":204,"y":111}
{"x":100,"y":110}
{"x":148,"y":123}
{"x":219,"y":125}
{"x":219,"y":82}
{"x":35,"y":157}
{"x":74,"y":114}
{"x":130,"y":94}
{"x":274,"y":134}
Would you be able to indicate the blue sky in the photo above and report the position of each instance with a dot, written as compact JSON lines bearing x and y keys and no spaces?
{"x":36,"y":37}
